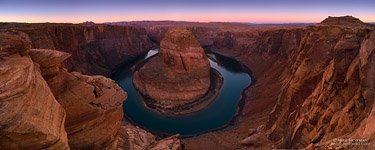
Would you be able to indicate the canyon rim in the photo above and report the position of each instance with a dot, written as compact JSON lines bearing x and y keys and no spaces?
{"x":176,"y":85}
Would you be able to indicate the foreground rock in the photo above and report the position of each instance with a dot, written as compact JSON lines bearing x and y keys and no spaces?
{"x":134,"y":138}
{"x":31,"y":118}
{"x":93,"y":104}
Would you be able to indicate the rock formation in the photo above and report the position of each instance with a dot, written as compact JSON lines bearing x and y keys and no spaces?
{"x":315,"y":75}
{"x":93,"y":104}
{"x":134,"y":138}
{"x":180,"y":72}
{"x":313,"y":83}
{"x":45,"y":106}
{"x":31,"y":118}
{"x":95,"y":49}
{"x":343,"y":21}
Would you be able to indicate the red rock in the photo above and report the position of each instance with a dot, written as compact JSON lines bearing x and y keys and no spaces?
{"x":93,"y":104}
{"x":135,"y":138}
{"x":181,"y":72}
{"x":31,"y":118}
{"x":48,"y":58}
{"x":95,"y":49}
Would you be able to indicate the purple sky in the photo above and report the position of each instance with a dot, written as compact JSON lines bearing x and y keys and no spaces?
{"x":256,"y":11}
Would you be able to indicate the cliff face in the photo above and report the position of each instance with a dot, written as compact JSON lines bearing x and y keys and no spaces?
{"x":323,"y":95}
{"x":31,"y":118}
{"x":45,"y":106}
{"x":313,"y":84}
{"x":318,"y":77}
{"x":95,"y":49}
{"x":93,"y":104}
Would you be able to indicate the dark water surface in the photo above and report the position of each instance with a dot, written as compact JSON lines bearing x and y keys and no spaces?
{"x":218,"y":114}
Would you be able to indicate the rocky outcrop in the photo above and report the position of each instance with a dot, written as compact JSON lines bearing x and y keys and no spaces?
{"x":31,"y":118}
{"x":181,"y":71}
{"x":367,"y":65}
{"x":348,"y":21}
{"x":320,"y":77}
{"x":313,"y":74}
{"x":95,"y":49}
{"x":322,"y":97}
{"x":134,"y":138}
{"x":178,"y":79}
{"x":93,"y":104}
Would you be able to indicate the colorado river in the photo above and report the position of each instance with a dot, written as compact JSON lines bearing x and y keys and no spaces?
{"x":218,"y":114}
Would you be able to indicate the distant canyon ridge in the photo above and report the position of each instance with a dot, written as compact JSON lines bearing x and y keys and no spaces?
{"x":314,"y":84}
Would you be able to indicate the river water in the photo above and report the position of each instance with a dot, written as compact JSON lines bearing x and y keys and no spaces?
{"x":217,"y":115}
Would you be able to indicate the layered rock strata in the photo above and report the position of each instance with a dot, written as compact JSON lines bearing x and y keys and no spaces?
{"x":317,"y":78}
{"x":179,"y":74}
{"x":322,"y":72}
{"x":135,"y":138}
{"x":93,"y":104}
{"x":95,"y":49}
{"x":31,"y":118}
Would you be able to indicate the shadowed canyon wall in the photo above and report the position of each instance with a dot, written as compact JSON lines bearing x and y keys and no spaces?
{"x":95,"y":49}
{"x":319,"y":77}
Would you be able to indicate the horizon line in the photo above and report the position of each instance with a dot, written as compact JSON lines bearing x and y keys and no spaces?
{"x":109,"y":22}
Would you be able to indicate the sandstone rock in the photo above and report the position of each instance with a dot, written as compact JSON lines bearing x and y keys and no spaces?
{"x":181,"y":72}
{"x":95,"y":49}
{"x":344,"y":21}
{"x":182,"y":53}
{"x":134,"y":138}
{"x":93,"y":106}
{"x":367,"y":61}
{"x":251,"y":140}
{"x":323,"y":97}
{"x":31,"y":118}
{"x":12,"y":42}
{"x":170,"y":143}
{"x":48,"y":58}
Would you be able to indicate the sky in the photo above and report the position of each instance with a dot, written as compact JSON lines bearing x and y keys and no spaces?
{"x":252,"y":11}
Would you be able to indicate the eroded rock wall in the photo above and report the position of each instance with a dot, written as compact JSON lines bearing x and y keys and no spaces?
{"x":95,"y":49}
{"x":31,"y":117}
{"x":324,"y":85}
{"x":93,"y":104}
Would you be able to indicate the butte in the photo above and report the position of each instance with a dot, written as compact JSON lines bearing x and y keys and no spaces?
{"x":178,"y":79}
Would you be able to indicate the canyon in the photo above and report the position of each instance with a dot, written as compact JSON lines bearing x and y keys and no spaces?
{"x":314,"y":85}
{"x":179,"y":75}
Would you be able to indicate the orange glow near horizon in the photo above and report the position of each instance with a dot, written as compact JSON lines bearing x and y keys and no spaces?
{"x":217,"y":17}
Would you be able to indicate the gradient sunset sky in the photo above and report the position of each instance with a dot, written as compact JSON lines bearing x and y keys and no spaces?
{"x":254,"y":11}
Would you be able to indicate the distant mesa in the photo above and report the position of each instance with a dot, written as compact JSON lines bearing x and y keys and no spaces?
{"x":179,"y":74}
{"x":343,"y":20}
{"x":89,"y":23}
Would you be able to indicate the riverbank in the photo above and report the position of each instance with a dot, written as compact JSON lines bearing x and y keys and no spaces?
{"x":254,"y":106}
{"x":221,"y":111}
{"x":178,"y":108}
